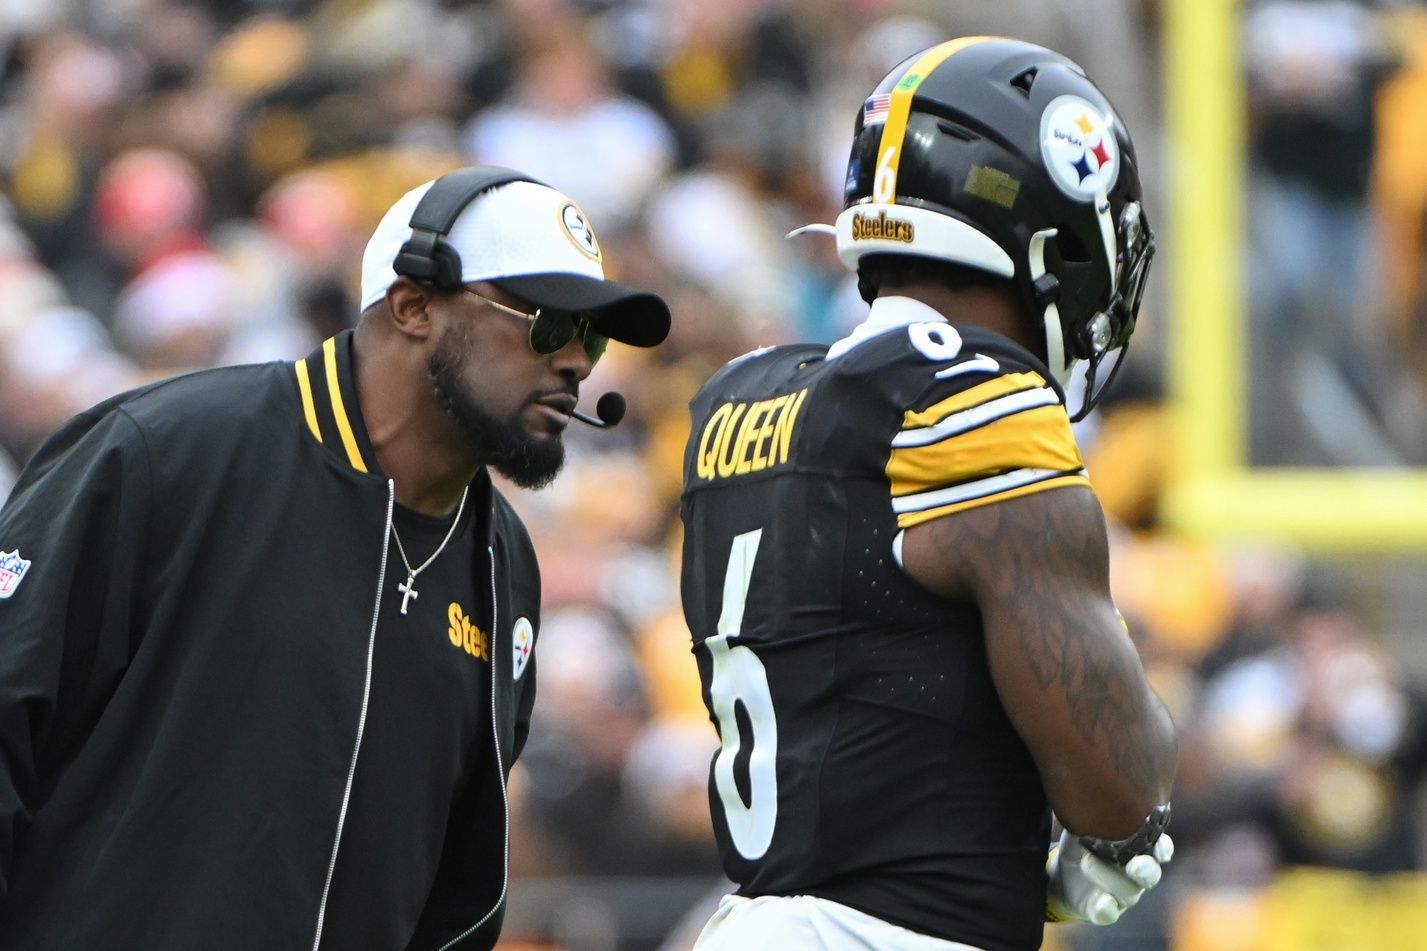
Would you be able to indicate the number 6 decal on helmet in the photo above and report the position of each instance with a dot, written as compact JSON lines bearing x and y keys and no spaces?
{"x":740,"y":678}
{"x":884,"y":185}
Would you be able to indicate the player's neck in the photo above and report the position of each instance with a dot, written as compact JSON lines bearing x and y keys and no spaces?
{"x":989,"y":307}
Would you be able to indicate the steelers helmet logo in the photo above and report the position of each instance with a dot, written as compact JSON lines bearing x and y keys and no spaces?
{"x":579,"y":230}
{"x":1079,"y":148}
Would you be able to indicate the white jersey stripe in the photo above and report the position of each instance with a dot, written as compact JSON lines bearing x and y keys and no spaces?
{"x":975,"y":416}
{"x":979,"y":488}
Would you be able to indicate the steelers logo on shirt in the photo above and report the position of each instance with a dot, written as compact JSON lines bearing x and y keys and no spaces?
{"x":522,"y":639}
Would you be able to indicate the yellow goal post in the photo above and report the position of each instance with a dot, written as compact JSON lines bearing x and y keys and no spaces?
{"x":1213,"y":493}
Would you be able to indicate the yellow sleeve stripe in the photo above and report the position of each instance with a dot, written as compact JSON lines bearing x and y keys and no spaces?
{"x":339,"y":409}
{"x":309,"y":409}
{"x":899,"y":107}
{"x":974,"y":396}
{"x":906,"y":519}
{"x":1039,"y":438}
{"x":1041,"y":403}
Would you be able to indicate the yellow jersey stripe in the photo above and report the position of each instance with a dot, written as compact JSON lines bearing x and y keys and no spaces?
{"x":309,"y":409}
{"x":908,"y":519}
{"x":339,"y":409}
{"x":899,"y":107}
{"x":981,"y":393}
{"x":989,"y":487}
{"x":978,"y":416}
{"x":1036,"y":439}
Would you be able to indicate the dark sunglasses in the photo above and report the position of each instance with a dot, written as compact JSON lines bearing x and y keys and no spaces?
{"x":552,"y":330}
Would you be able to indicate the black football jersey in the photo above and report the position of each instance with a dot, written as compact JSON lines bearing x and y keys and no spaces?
{"x":865,"y":755}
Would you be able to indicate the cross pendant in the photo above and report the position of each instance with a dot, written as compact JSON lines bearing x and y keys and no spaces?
{"x":408,"y":591}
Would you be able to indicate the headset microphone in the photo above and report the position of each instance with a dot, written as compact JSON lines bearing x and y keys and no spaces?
{"x":610,"y":410}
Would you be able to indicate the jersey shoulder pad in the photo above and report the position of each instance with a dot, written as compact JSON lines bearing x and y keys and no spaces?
{"x":914,"y":365}
{"x":753,"y":373}
{"x":981,"y":421}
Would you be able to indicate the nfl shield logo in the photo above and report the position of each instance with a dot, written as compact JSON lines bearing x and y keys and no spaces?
{"x":12,"y":572}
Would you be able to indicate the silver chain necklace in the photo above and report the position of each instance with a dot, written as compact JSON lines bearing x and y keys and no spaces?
{"x":408,"y":590}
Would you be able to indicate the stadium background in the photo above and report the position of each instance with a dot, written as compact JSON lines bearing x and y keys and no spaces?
{"x":190,"y":183}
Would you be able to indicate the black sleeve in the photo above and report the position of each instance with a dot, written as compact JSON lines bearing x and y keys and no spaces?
{"x":72,"y":536}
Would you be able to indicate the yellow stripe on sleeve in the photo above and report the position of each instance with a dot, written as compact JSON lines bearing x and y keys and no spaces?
{"x":309,"y":409}
{"x":899,"y":108}
{"x":981,"y":393}
{"x":1038,"y":438}
{"x":339,"y":410}
{"x":908,"y":519}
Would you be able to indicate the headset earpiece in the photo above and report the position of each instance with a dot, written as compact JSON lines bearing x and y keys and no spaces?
{"x":427,"y":256}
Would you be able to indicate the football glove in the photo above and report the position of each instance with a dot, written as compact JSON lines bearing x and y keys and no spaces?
{"x":1084,"y":885}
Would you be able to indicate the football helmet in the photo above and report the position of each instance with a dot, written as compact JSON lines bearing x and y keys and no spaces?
{"x":1001,"y":155}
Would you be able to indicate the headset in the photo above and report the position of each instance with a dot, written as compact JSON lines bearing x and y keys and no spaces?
{"x":426,"y":255}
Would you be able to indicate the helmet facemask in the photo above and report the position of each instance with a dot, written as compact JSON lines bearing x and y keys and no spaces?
{"x":1105,"y":337}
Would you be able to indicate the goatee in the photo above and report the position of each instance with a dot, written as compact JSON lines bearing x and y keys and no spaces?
{"x":505,"y":445}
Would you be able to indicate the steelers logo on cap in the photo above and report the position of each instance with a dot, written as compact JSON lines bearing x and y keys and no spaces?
{"x":1079,"y":148}
{"x":577,"y":227}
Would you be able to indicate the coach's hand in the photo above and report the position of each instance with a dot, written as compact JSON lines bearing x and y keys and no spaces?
{"x":1083,"y":886}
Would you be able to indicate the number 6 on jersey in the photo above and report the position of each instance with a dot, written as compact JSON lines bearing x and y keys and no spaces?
{"x":739,"y":678}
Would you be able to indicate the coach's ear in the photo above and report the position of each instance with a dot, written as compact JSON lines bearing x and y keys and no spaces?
{"x":409,"y":303}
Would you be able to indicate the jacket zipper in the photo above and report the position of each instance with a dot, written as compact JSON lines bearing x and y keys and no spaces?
{"x":499,"y":772}
{"x":362,"y":718}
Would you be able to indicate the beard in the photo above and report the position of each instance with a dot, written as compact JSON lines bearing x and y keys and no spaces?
{"x":530,"y":461}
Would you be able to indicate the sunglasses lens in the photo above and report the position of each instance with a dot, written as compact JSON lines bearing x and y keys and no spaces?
{"x":551,"y":331}
{"x":595,"y":344}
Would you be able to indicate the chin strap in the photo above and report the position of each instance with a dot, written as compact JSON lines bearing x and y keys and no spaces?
{"x":1107,"y":235}
{"x":1046,"y":287}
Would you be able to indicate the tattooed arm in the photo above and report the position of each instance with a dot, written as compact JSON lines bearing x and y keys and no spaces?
{"x":1066,"y":672}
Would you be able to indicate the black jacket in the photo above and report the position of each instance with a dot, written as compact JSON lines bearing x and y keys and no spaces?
{"x":184,"y":665}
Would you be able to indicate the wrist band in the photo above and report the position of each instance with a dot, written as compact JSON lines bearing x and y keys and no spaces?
{"x":1141,"y":843}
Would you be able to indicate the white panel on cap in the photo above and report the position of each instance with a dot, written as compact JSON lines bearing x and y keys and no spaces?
{"x":514,"y":229}
{"x":391,"y":233}
{"x":519,"y":229}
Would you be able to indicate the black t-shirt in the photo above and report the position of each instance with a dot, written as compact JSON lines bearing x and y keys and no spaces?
{"x":866,"y":757}
{"x":427,"y":730}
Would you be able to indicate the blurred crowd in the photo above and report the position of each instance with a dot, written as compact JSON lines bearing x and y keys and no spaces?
{"x":1336,"y":264}
{"x":185,"y":183}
